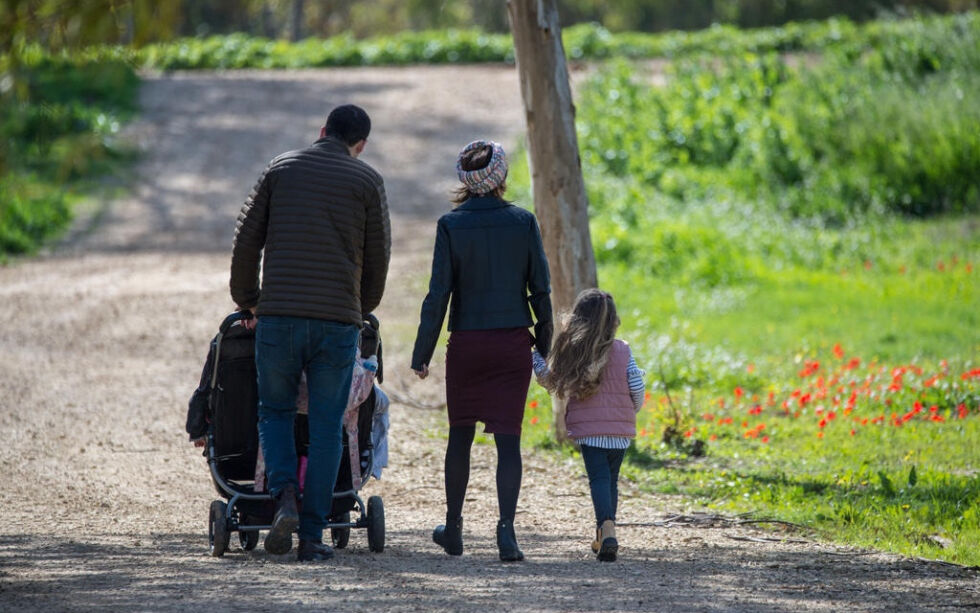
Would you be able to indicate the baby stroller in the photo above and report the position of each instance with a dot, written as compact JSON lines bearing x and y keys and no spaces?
{"x":224,"y":410}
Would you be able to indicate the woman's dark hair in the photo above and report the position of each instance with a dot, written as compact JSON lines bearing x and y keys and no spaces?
{"x":475,"y":160}
{"x":348,"y":123}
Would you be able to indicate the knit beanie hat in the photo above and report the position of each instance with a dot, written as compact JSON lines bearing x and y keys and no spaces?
{"x":490,"y":177}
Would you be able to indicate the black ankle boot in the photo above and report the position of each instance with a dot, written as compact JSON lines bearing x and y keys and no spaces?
{"x":507,"y":542}
{"x":313,"y":551}
{"x":280,"y":537}
{"x":450,"y":536}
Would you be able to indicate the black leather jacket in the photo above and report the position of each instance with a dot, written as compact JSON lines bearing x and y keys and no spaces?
{"x":489,"y":258}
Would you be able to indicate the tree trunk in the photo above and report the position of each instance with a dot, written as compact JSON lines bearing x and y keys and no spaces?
{"x":560,"y":200}
{"x":296,"y":21}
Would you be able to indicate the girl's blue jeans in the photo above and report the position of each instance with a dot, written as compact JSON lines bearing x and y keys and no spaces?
{"x":602,"y":466}
{"x":284,"y":348}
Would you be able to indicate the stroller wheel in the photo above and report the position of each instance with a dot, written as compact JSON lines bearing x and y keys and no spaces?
{"x":376,"y":524}
{"x":341,"y":536}
{"x":218,"y":529}
{"x":248,"y":540}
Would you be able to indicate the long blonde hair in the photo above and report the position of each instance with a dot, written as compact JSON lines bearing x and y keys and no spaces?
{"x":581,"y":349}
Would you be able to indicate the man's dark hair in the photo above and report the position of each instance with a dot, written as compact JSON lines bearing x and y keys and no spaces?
{"x":348,"y":123}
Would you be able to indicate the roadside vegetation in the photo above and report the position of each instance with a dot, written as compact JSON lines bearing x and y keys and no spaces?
{"x":59,"y":118}
{"x":582,"y":42}
{"x":793,"y":249}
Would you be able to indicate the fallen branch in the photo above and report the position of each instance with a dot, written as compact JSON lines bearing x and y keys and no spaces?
{"x":764,"y":539}
{"x":710,"y":521}
{"x":407,"y":400}
{"x":945,"y":563}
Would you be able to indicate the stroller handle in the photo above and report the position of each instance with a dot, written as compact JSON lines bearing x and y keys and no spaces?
{"x":232,"y":318}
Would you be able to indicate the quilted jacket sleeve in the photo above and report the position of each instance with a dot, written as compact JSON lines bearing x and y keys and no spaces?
{"x":377,"y":250}
{"x":246,"y":253}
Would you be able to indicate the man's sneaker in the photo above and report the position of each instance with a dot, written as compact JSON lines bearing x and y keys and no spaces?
{"x":313,"y":551}
{"x":280,"y":537}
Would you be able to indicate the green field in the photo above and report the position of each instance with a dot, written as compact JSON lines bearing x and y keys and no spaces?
{"x":793,"y":249}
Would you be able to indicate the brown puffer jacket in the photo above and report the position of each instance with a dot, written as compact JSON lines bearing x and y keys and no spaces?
{"x":321,"y":218}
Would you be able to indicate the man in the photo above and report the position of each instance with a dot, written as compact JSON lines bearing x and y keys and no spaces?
{"x":320,"y":218}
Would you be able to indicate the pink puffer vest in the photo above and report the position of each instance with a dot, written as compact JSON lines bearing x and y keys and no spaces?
{"x":608,"y":412}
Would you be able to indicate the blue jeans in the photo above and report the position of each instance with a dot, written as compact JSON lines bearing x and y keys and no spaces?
{"x":284,"y":348}
{"x":602,"y":466}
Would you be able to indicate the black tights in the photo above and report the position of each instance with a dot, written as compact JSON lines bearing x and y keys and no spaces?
{"x":509,"y":469}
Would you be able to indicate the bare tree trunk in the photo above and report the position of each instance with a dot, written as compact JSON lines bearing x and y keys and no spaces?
{"x":268,"y":21}
{"x":296,"y":20}
{"x":560,"y":199}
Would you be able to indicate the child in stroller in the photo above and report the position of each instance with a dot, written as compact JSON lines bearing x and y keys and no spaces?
{"x":222,"y":414}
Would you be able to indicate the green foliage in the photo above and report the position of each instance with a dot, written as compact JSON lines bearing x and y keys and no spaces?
{"x":241,"y":51}
{"x":57,"y":128}
{"x":891,"y":127}
{"x":581,"y":42}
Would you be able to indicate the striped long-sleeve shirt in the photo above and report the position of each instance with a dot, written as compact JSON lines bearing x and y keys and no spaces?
{"x":634,"y":378}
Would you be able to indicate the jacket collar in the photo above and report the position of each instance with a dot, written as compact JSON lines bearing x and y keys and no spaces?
{"x":482,"y":203}
{"x":329,"y":143}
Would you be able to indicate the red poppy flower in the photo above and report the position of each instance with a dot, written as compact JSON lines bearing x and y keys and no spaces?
{"x":533,"y":404}
{"x":534,"y":420}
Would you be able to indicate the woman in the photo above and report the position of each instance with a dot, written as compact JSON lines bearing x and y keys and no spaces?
{"x":489,"y":259}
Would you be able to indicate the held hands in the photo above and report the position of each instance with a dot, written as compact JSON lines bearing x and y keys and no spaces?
{"x":422,"y":374}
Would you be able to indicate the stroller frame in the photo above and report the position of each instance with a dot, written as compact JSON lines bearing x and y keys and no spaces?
{"x":227,"y":517}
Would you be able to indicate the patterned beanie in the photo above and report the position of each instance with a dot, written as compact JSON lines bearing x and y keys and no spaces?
{"x":483,"y":180}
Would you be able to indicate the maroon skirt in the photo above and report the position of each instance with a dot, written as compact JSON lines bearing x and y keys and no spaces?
{"x":487,"y":376}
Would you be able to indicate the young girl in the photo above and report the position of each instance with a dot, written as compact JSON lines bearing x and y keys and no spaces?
{"x":595,"y":374}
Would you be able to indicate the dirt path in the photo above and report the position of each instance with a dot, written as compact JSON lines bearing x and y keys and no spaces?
{"x":104,"y":504}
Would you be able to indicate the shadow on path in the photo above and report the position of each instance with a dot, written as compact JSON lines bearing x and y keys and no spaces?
{"x":172,"y":571}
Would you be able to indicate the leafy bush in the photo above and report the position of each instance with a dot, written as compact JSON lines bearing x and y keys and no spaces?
{"x":890,"y":128}
{"x":581,"y":42}
{"x":56,"y":127}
